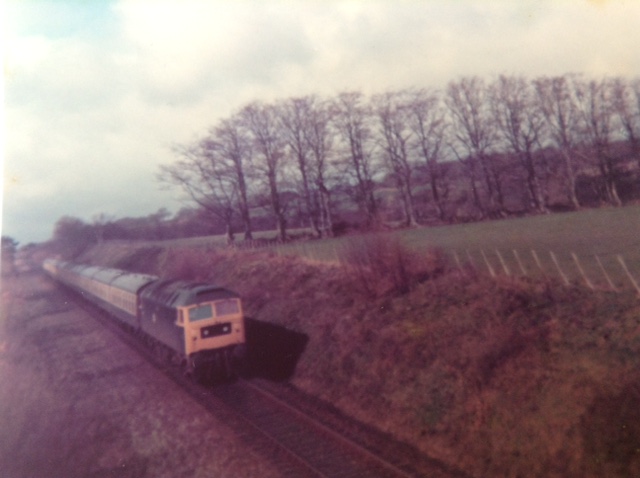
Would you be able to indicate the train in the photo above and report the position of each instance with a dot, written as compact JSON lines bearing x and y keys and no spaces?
{"x":199,"y":326}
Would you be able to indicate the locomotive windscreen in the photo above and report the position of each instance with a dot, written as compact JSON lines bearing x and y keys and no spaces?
{"x":200,"y":313}
{"x":227,"y":307}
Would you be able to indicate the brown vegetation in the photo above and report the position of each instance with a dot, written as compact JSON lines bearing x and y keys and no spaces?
{"x":382,"y":265}
{"x":506,"y":377}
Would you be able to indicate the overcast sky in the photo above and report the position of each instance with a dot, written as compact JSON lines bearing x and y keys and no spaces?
{"x":96,"y":92}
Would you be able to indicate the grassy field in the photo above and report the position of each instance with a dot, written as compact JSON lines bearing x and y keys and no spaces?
{"x":606,"y":233}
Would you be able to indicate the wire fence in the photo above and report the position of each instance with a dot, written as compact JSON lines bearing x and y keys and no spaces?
{"x":609,"y":272}
{"x":605,"y":272}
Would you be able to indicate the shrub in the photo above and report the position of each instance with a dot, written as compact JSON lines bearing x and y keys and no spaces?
{"x":382,"y":264}
{"x":186,"y":264}
{"x":142,"y":260}
{"x":611,"y":432}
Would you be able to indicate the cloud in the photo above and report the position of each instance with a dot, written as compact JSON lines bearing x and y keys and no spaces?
{"x":195,"y":47}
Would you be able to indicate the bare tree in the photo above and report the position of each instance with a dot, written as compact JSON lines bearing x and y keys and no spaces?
{"x":261,"y":122}
{"x":392,"y":111}
{"x":229,"y":143}
{"x":301,"y":150}
{"x":596,"y":108}
{"x":557,"y":103}
{"x":205,"y":179}
{"x":295,"y":117}
{"x":352,"y":120}
{"x":427,"y":121}
{"x":520,"y":123}
{"x":474,"y":131}
{"x":626,"y":106}
{"x":319,"y":139}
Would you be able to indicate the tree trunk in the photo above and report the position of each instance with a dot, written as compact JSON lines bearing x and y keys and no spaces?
{"x":608,"y":174}
{"x":474,"y":189}
{"x":326,"y":218}
{"x":244,"y":203}
{"x":571,"y":180}
{"x":229,"y":233}
{"x":535,"y":191}
{"x":433,"y":177}
{"x":277,"y":208}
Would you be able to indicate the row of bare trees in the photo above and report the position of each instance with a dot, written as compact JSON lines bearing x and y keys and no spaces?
{"x":476,"y":149}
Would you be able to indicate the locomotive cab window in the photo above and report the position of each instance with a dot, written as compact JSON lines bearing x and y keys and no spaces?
{"x":227,"y":307}
{"x":201,"y":312}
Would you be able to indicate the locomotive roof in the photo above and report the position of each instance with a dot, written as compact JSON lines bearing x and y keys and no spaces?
{"x":132,"y":282}
{"x":174,"y":293}
{"x":177,"y":293}
{"x":120,"y":279}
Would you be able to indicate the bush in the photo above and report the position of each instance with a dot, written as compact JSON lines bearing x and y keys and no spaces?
{"x":381,"y":264}
{"x":142,"y":260}
{"x":186,"y":264}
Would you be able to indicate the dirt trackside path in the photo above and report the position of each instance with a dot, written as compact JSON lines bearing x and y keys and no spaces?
{"x":76,"y":402}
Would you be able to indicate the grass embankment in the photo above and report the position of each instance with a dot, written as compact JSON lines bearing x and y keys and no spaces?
{"x":498,"y":378}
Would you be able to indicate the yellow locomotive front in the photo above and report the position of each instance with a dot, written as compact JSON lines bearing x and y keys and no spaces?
{"x":201,"y":323}
{"x":212,"y":325}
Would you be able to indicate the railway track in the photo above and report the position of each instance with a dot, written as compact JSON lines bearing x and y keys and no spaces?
{"x":324,"y":451}
{"x":300,"y":437}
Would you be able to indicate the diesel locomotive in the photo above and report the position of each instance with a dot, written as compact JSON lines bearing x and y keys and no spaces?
{"x":200,"y":326}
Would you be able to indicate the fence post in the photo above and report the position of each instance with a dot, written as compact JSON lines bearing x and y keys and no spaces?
{"x":606,"y":276}
{"x":470,"y":259}
{"x":486,"y":261}
{"x":538,"y":263}
{"x":584,"y":276}
{"x":517,"y":256}
{"x":555,"y":261}
{"x":455,"y":255}
{"x":626,"y":270}
{"x":504,"y":265}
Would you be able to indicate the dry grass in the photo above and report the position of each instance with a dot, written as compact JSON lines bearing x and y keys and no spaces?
{"x":511,"y":377}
